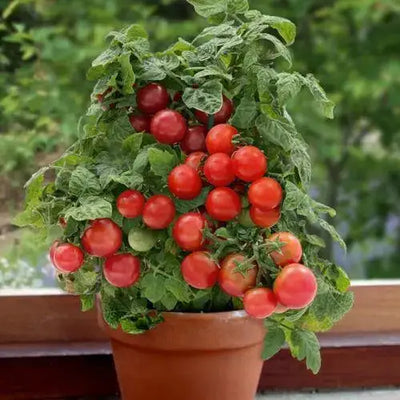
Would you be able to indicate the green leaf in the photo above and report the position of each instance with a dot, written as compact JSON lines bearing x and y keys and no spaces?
{"x":91,"y":207}
{"x":153,"y":287}
{"x":141,"y":162}
{"x":108,"y":56}
{"x":237,"y":6}
{"x":273,"y":341}
{"x":127,"y":74}
{"x":157,"y":68}
{"x":208,"y":8}
{"x":320,"y":96}
{"x":85,"y":281}
{"x":332,"y":231}
{"x":281,"y":49}
{"x":184,"y":206}
{"x":161,"y":161}
{"x":169,"y":301}
{"x":179,"y":289}
{"x":305,"y":345}
{"x":212,"y":70}
{"x":301,"y":160}
{"x":83,"y":182}
{"x":286,"y":28}
{"x":207,"y":98}
{"x":288,"y":86}
{"x":133,"y":143}
{"x":87,"y":301}
{"x":245,"y":113}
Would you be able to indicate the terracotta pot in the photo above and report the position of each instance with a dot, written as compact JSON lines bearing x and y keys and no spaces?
{"x":215,"y":356}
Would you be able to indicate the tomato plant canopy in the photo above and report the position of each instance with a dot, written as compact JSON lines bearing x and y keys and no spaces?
{"x":236,"y":71}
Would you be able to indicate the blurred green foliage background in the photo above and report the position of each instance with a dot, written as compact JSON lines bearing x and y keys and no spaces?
{"x":352,"y":46}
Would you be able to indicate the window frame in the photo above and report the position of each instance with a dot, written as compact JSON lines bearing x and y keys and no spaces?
{"x":44,"y":330}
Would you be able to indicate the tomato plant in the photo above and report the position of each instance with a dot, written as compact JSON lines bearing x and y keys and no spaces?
{"x":122,"y":270}
{"x":208,"y":193}
{"x":296,"y":286}
{"x":232,"y":279}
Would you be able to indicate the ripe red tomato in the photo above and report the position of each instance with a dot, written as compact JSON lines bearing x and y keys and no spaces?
{"x":236,"y":283}
{"x":168,"y":126}
{"x":260,"y":302}
{"x":221,"y":116}
{"x":195,"y":159}
{"x":195,"y":139}
{"x":130,"y":203}
{"x":265,"y":193}
{"x":249,"y":163}
{"x":265,"y":219}
{"x":184,"y":182}
{"x":66,"y":257}
{"x":152,"y":98}
{"x":140,"y":123}
{"x":188,"y":231}
{"x":103,"y":238}
{"x":223,"y":204}
{"x":62,"y":222}
{"x":101,"y":96}
{"x":158,"y":212}
{"x":291,"y":251}
{"x":296,"y":286}
{"x":199,"y":270}
{"x":122,"y":270}
{"x":219,"y":139}
{"x":218,"y":169}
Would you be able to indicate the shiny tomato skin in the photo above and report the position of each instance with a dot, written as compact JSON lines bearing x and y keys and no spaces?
{"x":199,"y":270}
{"x":195,"y":160}
{"x":140,"y":123}
{"x":260,"y":302}
{"x":158,"y":212}
{"x":102,"y":238}
{"x":184,"y":182}
{"x":168,"y":126}
{"x":67,"y":257}
{"x":122,"y":270}
{"x":152,"y":98}
{"x":265,"y":193}
{"x":223,"y":204}
{"x":188,"y":231}
{"x":130,"y":203}
{"x":265,"y":219}
{"x":290,"y":252}
{"x":221,"y":116}
{"x":296,"y":286}
{"x":233,"y":282}
{"x":249,"y":163}
{"x":219,"y":139}
{"x":195,"y":139}
{"x":218,"y":169}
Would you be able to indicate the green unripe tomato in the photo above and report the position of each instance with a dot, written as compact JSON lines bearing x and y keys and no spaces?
{"x":245,"y":219}
{"x":142,"y":239}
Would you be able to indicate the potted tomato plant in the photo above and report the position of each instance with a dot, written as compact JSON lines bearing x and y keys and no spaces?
{"x":184,"y":207}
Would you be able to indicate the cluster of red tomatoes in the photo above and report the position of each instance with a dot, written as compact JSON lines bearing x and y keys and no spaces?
{"x":212,"y":159}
